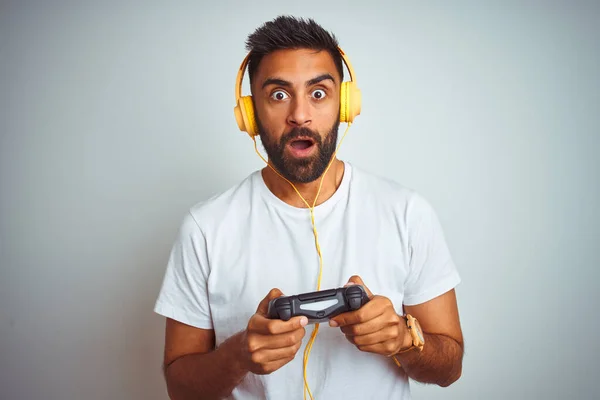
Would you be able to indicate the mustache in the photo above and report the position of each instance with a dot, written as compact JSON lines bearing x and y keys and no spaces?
{"x":300,"y":132}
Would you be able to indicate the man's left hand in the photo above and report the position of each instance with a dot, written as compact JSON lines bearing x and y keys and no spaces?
{"x":375,"y":327}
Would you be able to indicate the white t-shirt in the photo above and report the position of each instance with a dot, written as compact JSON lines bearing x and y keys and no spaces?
{"x":235,"y":247}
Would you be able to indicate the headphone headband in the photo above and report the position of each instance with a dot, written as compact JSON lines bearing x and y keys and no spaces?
{"x":240,"y":74}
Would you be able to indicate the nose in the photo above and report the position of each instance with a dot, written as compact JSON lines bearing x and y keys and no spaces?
{"x":300,"y":112}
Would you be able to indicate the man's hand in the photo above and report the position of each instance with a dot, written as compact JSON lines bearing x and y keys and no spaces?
{"x":269,"y":344}
{"x":375,"y":327}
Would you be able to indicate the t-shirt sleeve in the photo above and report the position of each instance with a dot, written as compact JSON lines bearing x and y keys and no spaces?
{"x":184,"y":292}
{"x":432,"y":271}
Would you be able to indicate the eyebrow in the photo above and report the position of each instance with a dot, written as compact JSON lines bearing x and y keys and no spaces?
{"x":284,"y":83}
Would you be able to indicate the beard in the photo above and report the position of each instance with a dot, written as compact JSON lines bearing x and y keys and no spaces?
{"x":300,"y":170}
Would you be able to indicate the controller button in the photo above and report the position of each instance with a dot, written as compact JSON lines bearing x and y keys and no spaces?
{"x":353,"y":290}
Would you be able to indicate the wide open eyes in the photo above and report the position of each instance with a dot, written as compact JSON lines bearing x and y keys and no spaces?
{"x":319,"y":94}
{"x":280,"y":95}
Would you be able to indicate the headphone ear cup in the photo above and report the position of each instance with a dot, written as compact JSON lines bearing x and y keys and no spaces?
{"x":244,"y":116}
{"x":350,"y":101}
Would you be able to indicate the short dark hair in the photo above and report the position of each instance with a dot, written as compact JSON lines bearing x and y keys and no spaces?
{"x":287,"y":32}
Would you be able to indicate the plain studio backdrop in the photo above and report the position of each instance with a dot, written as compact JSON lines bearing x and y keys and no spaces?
{"x":116,"y":118}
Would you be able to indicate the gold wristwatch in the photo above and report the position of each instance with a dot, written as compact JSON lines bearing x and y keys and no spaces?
{"x":418,"y":341}
{"x":416,"y":333}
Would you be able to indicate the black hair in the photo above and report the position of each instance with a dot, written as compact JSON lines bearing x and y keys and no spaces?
{"x":287,"y":32}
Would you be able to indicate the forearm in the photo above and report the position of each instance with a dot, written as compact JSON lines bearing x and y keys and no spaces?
{"x":211,"y":375}
{"x":439,"y":363}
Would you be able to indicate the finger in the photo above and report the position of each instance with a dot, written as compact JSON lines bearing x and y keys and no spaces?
{"x":369,"y":311}
{"x":387,"y":348}
{"x":373,"y":325}
{"x":283,"y":340}
{"x":265,"y":356}
{"x":388,"y":333}
{"x":357,"y":280}
{"x":263,"y":306}
{"x":274,"y":365}
{"x":265,"y":326}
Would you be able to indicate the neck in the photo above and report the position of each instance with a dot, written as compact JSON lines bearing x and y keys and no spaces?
{"x":286,"y":193}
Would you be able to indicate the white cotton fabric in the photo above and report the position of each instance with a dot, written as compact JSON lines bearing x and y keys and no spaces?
{"x":234,"y":247}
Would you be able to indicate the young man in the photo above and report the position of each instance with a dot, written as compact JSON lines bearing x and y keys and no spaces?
{"x":255,"y":242}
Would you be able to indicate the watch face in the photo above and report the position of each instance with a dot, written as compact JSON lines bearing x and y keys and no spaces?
{"x":419,"y":331}
{"x":420,"y":335}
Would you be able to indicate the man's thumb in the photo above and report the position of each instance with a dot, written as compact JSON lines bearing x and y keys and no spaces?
{"x":263,"y":307}
{"x":356,"y":280}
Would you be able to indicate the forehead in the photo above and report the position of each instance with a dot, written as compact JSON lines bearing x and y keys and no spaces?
{"x":296,"y":65}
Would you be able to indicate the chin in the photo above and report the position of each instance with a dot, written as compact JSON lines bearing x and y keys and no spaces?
{"x":303,"y":174}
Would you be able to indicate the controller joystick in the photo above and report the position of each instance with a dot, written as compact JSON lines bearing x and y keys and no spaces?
{"x":284,"y":309}
{"x":354,"y":296}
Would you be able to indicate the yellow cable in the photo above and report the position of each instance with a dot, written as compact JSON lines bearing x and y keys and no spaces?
{"x":312,"y":218}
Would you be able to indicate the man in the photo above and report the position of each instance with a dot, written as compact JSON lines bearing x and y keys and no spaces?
{"x":254,"y":242}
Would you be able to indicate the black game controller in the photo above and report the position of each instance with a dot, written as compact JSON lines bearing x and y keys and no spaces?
{"x":318,"y":306}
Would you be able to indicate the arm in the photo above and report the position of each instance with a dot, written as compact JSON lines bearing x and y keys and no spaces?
{"x":377,"y":328}
{"x":193,"y":366}
{"x":431,"y":268}
{"x":440,"y":362}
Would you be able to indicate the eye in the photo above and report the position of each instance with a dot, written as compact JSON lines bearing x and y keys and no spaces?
{"x":279,"y":95}
{"x":319,"y":94}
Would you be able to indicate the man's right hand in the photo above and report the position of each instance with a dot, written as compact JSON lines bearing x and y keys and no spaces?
{"x":269,"y":344}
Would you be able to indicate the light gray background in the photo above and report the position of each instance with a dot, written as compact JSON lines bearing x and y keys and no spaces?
{"x":116,"y":118}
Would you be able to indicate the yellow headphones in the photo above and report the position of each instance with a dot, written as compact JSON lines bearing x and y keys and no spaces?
{"x":350,"y":100}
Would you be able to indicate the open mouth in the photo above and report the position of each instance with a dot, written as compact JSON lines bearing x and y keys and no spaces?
{"x":301,"y":144}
